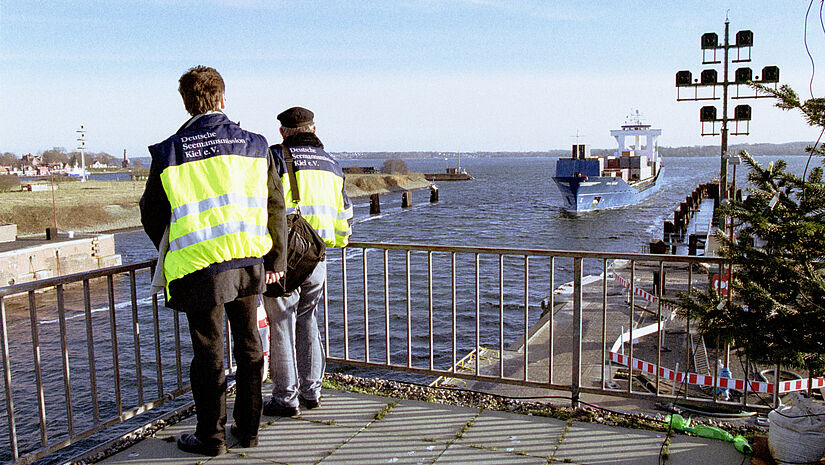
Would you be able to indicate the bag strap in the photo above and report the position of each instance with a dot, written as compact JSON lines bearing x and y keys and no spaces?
{"x":290,"y":168}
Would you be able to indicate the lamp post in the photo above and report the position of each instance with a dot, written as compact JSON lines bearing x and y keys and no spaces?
{"x":731,"y":160}
{"x":734,"y":160}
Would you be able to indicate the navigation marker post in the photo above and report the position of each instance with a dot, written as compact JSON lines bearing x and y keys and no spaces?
{"x":81,"y":146}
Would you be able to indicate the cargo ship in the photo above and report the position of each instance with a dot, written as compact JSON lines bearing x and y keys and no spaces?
{"x":609,"y":181}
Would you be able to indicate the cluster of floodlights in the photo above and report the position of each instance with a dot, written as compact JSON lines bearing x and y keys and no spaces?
{"x":709,"y":78}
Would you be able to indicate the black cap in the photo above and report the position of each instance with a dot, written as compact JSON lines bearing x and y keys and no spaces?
{"x":296,"y":117}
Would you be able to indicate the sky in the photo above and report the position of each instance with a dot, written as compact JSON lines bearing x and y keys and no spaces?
{"x":391,"y":75}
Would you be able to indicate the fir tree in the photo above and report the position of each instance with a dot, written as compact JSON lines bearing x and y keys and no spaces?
{"x":777,"y":314}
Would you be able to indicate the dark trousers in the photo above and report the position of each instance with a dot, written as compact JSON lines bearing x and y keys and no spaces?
{"x":207,"y":374}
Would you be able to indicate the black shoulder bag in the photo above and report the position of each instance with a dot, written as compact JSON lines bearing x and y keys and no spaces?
{"x":305,"y":247}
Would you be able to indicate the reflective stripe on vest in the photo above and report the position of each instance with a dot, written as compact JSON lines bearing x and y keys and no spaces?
{"x":323,"y":207}
{"x":216,"y":202}
{"x":218,"y":212}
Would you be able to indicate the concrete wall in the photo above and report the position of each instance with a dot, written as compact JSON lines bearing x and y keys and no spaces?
{"x":8,"y":232}
{"x":49,"y":259}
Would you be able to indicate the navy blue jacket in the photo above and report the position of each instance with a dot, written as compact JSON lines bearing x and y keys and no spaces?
{"x":209,"y":286}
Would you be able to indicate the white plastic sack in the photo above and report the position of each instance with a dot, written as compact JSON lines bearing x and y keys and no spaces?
{"x":794,"y":435}
{"x":263,"y":331}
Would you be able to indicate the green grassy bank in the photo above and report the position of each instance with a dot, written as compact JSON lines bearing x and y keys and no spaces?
{"x":96,"y":206}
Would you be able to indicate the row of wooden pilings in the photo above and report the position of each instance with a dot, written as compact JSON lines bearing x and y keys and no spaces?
{"x":675,"y":230}
{"x":406,"y":200}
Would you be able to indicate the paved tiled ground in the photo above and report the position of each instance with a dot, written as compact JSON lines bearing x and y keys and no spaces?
{"x":354,"y":428}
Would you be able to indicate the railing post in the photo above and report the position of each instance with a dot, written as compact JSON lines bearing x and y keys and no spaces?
{"x":409,"y":306}
{"x":453,"y":310}
{"x":110,"y":287}
{"x":344,"y":309}
{"x":526,"y":316}
{"x":64,"y":352}
{"x":387,"y":307}
{"x":90,"y":345}
{"x":41,"y":401}
{"x":136,"y":336}
{"x":577,"y":331}
{"x":4,"y":343}
{"x":550,"y":321}
{"x":366,"y":306}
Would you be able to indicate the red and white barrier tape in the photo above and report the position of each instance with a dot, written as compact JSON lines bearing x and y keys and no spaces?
{"x":645,"y":295}
{"x":705,"y":380}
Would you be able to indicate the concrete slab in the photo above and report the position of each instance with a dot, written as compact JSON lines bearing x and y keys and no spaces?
{"x":377,"y":448}
{"x":597,"y":444}
{"x":298,"y":441}
{"x":601,"y":444}
{"x":153,"y":451}
{"x":687,"y":450}
{"x":424,"y":421}
{"x":344,"y":431}
{"x":514,"y":433}
{"x":239,"y":459}
{"x":345,"y":408}
{"x":457,"y":454}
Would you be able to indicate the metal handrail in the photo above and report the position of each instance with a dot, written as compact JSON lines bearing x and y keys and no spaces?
{"x":75,"y":424}
{"x":417,"y":327}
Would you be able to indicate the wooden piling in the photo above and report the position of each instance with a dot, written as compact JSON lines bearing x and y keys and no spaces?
{"x":375,"y":205}
{"x":406,"y":199}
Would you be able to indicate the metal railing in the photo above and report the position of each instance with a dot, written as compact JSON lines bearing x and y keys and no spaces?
{"x":505,"y":302}
{"x":421,"y":311}
{"x":64,"y":394}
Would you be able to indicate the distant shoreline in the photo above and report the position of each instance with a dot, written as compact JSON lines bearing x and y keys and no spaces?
{"x":788,"y":149}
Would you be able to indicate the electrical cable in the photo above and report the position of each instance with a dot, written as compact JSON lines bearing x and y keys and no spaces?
{"x":808,"y":51}
{"x":810,"y":86}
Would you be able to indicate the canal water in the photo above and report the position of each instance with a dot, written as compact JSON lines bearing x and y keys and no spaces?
{"x":511,"y":203}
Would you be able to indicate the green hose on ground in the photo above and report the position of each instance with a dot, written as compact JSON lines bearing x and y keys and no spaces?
{"x":678,"y":423}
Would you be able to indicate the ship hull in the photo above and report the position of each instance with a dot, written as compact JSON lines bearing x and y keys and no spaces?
{"x":600,"y":192}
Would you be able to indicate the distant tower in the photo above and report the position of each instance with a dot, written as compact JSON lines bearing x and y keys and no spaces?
{"x":125,"y":162}
{"x":82,"y":147}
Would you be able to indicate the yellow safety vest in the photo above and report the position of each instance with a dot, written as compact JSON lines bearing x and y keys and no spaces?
{"x":218,"y":212}
{"x":323,"y":201}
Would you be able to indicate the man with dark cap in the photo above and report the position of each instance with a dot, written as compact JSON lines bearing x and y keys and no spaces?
{"x":297,"y":359}
{"x":213,"y":213}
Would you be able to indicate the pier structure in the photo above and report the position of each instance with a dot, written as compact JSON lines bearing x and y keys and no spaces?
{"x":29,"y":258}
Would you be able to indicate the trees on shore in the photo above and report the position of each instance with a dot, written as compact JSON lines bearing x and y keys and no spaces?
{"x":60,"y":155}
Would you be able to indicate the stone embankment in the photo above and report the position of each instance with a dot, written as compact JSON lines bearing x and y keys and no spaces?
{"x":364,"y":185}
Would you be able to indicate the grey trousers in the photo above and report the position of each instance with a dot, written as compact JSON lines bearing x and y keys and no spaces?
{"x":296,"y":354}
